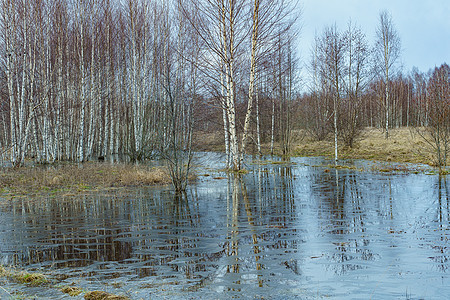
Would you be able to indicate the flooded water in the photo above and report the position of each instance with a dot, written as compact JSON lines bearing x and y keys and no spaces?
{"x":283,"y":231}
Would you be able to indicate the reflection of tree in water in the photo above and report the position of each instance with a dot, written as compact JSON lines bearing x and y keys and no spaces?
{"x":86,"y":239}
{"x":141,"y":233}
{"x":281,"y":219}
{"x":153,"y":233}
{"x":442,"y":218}
{"x":240,"y":189}
{"x":169,"y":245}
{"x":261,"y":216}
{"x":341,"y":204}
{"x":275,"y":195}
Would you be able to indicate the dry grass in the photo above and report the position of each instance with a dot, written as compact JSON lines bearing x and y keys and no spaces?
{"x":33,"y":279}
{"x":402,"y":146}
{"x":38,"y":279}
{"x":79,"y":177}
{"x":137,"y":176}
{"x":209,"y":141}
{"x":100,"y":295}
{"x":72,"y":290}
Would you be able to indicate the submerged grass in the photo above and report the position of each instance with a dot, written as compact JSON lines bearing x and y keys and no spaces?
{"x":23,"y":277}
{"x":33,"y":279}
{"x":72,"y":290}
{"x":76,"y":178}
{"x":100,"y":295}
{"x":38,"y":279}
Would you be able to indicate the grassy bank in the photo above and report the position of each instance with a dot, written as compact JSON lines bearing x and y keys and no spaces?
{"x":75,"y":178}
{"x":404,"y":145}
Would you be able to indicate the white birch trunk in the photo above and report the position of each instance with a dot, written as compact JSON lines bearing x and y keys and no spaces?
{"x":231,"y":111}
{"x":134,"y":81}
{"x":28,"y":118}
{"x":48,"y":141}
{"x":108,"y":102}
{"x":272,"y":129}
{"x":81,"y":128}
{"x":225,"y":119}
{"x":92,"y":99}
{"x":253,"y":57}
{"x":387,"y":100}
{"x":258,"y":125}
{"x":10,"y":57}
{"x":21,"y":94}
{"x":335,"y":130}
{"x":57,"y":154}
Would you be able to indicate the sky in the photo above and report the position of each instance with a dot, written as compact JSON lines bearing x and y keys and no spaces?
{"x":423,"y":26}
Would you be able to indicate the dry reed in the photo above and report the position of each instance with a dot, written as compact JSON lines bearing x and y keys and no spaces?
{"x":79,"y":177}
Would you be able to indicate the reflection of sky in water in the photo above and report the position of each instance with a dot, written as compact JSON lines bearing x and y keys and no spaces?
{"x":284,"y":231}
{"x":376,"y":234}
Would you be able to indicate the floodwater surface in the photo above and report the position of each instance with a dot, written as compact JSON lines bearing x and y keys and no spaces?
{"x":283,"y":231}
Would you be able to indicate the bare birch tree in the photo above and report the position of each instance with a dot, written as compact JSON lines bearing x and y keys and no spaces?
{"x":88,"y":79}
{"x":387,"y":51}
{"x":270,"y":20}
{"x":317,"y":110}
{"x":332,"y":51}
{"x":437,"y":132}
{"x":180,"y":83}
{"x":221,"y":27}
{"x":21,"y":45}
{"x":357,"y":57}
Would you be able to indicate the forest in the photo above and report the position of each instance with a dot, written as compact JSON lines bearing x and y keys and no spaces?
{"x":186,"y":149}
{"x":82,"y":80}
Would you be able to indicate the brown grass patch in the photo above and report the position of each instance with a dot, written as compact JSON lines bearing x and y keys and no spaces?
{"x":74,"y":178}
{"x":100,"y":295}
{"x":402,"y":146}
{"x":143,"y":176}
{"x":209,"y":141}
{"x":33,"y":279}
{"x":38,"y":279}
{"x":72,"y":290}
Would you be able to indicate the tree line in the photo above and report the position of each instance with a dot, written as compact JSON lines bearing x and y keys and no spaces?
{"x":98,"y":78}
{"x":90,"y":78}
{"x":82,"y":79}
{"x":355,"y":85}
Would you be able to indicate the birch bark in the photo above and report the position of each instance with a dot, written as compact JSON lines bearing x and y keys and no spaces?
{"x":253,"y":75}
{"x":81,"y":44}
{"x":9,"y":20}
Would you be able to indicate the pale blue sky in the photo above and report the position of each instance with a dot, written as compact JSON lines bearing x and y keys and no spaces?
{"x":423,"y":26}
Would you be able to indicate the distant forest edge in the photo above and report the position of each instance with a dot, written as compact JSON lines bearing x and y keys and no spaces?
{"x":142,"y":78}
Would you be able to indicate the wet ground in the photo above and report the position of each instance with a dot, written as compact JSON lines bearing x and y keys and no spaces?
{"x":285,"y":230}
